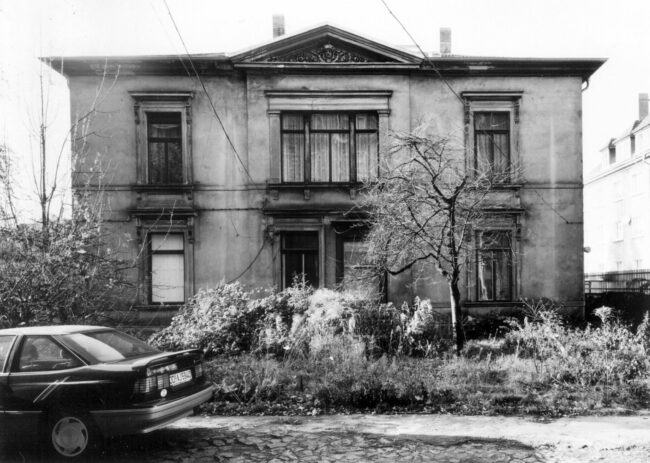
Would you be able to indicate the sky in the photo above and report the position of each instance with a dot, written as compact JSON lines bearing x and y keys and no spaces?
{"x":616,"y":30}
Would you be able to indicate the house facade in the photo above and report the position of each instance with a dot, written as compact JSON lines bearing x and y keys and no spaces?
{"x":617,"y":193}
{"x":249,"y":167}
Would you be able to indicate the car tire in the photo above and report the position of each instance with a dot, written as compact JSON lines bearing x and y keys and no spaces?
{"x":70,"y":434}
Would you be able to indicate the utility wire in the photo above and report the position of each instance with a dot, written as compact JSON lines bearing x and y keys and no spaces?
{"x":205,"y":90}
{"x":426,"y":57}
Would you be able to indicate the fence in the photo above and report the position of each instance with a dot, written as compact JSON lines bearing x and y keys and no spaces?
{"x":629,"y":281}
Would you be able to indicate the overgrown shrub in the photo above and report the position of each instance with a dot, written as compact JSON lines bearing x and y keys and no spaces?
{"x":218,"y":320}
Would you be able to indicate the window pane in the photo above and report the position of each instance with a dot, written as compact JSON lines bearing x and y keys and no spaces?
{"x":302,"y":240}
{"x":330,"y":121}
{"x":108,"y":346}
{"x":340,"y":157}
{"x":174,"y":163}
{"x":484,"y":277}
{"x":292,"y":122}
{"x":167,"y":278}
{"x":164,"y":125}
{"x":501,"y":153}
{"x":320,"y":157}
{"x":491,"y":121}
{"x":166,"y":242}
{"x":367,"y":156}
{"x":5,"y":345}
{"x":156,"y":162}
{"x":40,"y":353}
{"x":366,"y":121}
{"x":293,"y":148}
{"x":502,"y":275}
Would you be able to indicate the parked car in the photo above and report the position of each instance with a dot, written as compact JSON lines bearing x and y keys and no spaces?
{"x":74,"y":385}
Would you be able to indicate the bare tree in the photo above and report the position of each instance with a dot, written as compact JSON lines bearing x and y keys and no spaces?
{"x":60,"y":268}
{"x":423,"y":208}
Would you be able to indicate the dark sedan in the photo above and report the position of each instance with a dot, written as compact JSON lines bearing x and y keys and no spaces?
{"x":74,"y":385}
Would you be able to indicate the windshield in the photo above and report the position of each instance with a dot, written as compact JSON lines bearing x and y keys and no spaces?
{"x":108,"y":346}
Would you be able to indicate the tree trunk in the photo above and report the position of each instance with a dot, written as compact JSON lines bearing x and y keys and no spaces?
{"x":456,"y":315}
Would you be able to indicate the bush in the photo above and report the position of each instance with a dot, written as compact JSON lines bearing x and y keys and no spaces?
{"x":219,"y":320}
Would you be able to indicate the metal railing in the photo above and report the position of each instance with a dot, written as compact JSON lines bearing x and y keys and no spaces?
{"x":625,"y":281}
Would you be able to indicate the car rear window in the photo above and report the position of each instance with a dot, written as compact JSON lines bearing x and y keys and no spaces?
{"x":108,"y":346}
{"x":5,"y":346}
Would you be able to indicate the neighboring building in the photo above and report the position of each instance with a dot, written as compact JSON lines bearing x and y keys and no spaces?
{"x":617,"y":194}
{"x":307,"y":118}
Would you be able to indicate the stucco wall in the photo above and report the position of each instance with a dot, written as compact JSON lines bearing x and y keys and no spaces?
{"x":230,"y":226}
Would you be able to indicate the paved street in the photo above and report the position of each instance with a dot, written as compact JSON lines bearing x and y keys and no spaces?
{"x":366,"y":438}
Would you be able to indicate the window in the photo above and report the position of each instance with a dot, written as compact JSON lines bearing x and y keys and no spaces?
{"x":108,"y":346}
{"x":164,"y":148}
{"x":300,"y":258}
{"x":167,"y":268}
{"x":163,"y":138}
{"x":329,"y":147}
{"x":358,"y":275}
{"x":492,"y":142}
{"x":41,"y":353}
{"x":632,"y":144}
{"x":6,"y":341}
{"x":492,"y":135}
{"x":618,"y":230}
{"x":494,"y":266}
{"x":612,"y":153}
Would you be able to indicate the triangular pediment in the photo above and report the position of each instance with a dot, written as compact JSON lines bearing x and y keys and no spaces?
{"x":325,"y":45}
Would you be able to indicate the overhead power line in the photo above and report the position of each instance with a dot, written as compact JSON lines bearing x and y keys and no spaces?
{"x":205,"y":90}
{"x":424,"y":55}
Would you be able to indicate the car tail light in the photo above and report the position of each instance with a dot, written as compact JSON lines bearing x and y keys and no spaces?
{"x":198,"y":370}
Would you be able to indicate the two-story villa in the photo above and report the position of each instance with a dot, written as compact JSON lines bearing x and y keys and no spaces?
{"x":248,"y":166}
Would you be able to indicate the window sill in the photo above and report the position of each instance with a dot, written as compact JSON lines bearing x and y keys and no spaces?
{"x":164,"y":188}
{"x":489,"y":304}
{"x":289,"y":186}
{"x":157,"y":307}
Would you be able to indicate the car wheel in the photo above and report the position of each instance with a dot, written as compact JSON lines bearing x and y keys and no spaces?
{"x":70,"y":434}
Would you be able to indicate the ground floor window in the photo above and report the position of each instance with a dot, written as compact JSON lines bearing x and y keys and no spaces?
{"x":300,"y":258}
{"x":167,"y":268}
{"x":357,"y":274}
{"x":494,"y":265}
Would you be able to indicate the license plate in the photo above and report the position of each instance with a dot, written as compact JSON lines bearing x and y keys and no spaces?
{"x":180,"y":377}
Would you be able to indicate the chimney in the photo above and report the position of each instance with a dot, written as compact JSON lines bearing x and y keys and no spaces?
{"x":278,"y":25}
{"x":445,"y":41}
{"x":643,"y":105}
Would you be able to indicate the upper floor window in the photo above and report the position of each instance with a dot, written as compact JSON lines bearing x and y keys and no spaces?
{"x":329,"y":147}
{"x":492,"y":142}
{"x":163,"y":124}
{"x":164,"y":147}
{"x":492,"y":121}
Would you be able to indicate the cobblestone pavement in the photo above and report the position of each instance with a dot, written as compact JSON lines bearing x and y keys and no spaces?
{"x":342,"y":439}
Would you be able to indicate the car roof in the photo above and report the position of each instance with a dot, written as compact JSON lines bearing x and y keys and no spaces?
{"x":55,"y":329}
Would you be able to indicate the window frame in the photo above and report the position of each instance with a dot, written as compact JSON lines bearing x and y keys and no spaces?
{"x":314,"y":101}
{"x":165,"y":102}
{"x":493,"y":102}
{"x":15,"y":361}
{"x":510,"y":223}
{"x":307,"y":130}
{"x":150,"y":255}
{"x":355,"y":233}
{"x":163,"y":224}
{"x":312,"y":251}
{"x":508,"y":252}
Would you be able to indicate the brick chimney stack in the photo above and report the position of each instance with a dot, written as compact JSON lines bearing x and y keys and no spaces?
{"x":278,"y":25}
{"x":643,"y":105}
{"x":445,"y":41}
